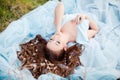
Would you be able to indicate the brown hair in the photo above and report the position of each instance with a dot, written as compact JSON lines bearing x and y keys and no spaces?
{"x":52,"y":56}
{"x":32,"y":57}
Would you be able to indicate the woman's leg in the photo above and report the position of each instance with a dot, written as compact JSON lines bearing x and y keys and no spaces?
{"x":59,"y":13}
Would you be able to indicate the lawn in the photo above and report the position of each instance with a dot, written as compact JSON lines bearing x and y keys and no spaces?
{"x":11,"y":10}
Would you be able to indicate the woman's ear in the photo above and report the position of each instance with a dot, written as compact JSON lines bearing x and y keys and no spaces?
{"x":65,"y":47}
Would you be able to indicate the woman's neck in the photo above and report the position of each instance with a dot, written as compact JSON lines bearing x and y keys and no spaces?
{"x":66,"y":37}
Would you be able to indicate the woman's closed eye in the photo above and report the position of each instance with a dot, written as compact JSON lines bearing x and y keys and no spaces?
{"x":51,"y":40}
{"x":58,"y":42}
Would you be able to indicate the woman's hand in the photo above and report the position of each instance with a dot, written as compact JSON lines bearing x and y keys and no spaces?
{"x":58,"y":32}
{"x":79,"y":18}
{"x":58,"y":28}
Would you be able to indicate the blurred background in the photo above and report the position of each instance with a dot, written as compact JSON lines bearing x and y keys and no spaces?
{"x":11,"y":10}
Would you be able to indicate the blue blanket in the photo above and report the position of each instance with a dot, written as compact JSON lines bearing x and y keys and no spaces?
{"x":101,"y":58}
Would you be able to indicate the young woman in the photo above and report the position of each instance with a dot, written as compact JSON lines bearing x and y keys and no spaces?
{"x":68,"y":30}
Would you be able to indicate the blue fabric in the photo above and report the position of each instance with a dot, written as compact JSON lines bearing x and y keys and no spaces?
{"x":100,"y":58}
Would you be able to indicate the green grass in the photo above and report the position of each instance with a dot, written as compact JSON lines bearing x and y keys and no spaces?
{"x":11,"y":10}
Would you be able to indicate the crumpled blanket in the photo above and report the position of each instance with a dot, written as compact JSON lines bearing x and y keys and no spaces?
{"x":101,"y":57}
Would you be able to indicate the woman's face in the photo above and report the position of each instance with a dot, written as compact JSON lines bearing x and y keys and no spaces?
{"x":56,"y":43}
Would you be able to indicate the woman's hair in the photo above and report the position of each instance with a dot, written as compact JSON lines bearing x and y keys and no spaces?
{"x":53,"y":55}
{"x":35,"y":52}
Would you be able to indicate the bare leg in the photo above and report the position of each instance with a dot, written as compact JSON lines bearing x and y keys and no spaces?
{"x":59,"y":13}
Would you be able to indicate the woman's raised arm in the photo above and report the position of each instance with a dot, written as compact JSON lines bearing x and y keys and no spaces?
{"x":59,"y":13}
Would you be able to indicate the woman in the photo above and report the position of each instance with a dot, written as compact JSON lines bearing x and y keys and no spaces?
{"x":69,"y":31}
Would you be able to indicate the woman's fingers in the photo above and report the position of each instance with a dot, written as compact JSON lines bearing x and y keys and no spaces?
{"x":58,"y":33}
{"x":76,"y":19}
{"x":80,"y":18}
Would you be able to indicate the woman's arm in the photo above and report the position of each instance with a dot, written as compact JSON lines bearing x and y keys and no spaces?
{"x":93,"y":26}
{"x":59,"y":13}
